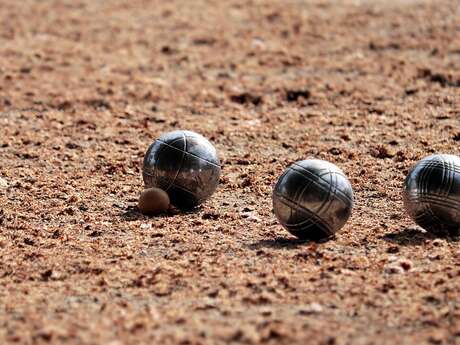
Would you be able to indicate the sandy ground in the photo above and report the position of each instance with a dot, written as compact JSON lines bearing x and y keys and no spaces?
{"x":86,"y":86}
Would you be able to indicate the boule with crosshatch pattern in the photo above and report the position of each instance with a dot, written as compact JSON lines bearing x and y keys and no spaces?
{"x":313,"y":199}
{"x":185,"y":165}
{"x":432,"y":194}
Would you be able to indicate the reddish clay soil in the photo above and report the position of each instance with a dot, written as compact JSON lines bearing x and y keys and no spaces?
{"x":86,"y":86}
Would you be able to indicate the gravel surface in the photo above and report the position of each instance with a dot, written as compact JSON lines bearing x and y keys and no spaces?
{"x":86,"y":86}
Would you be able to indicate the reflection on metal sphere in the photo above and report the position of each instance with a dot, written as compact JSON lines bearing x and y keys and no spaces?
{"x":185,"y":165}
{"x":313,"y":199}
{"x":432,"y":194}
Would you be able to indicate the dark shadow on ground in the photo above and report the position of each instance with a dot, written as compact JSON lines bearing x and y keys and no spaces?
{"x":285,"y":243}
{"x":132,"y":213}
{"x":409,"y":237}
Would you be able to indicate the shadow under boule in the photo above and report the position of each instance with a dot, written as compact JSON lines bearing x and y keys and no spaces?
{"x":281,"y":242}
{"x":132,"y":213}
{"x":409,"y":237}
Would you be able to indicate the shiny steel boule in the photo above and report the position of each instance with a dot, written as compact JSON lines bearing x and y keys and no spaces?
{"x":432,"y":194}
{"x":313,"y":199}
{"x":185,"y":165}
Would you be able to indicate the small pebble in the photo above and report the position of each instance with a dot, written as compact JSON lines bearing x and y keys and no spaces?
{"x":146,"y":226}
{"x":438,"y":242}
{"x":251,"y":216}
{"x":398,"y":265}
{"x":3,"y":183}
{"x":394,"y":269}
{"x":405,"y":264}
{"x":153,"y":201}
{"x":312,"y":308}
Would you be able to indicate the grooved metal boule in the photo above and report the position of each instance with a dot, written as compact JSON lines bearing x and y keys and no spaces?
{"x":432,"y":194}
{"x":185,"y":165}
{"x":313,"y":199}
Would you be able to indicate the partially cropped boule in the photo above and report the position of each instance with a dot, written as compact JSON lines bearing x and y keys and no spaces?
{"x":432,"y":194}
{"x":153,"y":201}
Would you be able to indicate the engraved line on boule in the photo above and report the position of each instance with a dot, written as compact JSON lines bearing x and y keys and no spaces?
{"x":161,"y":149}
{"x":431,"y":218}
{"x":328,"y":200}
{"x":338,"y":170}
{"x":445,"y":177}
{"x":414,"y":197}
{"x":434,"y":164}
{"x":300,"y":191}
{"x":304,"y":228}
{"x":184,"y":151}
{"x":451,"y":178}
{"x":438,"y":201}
{"x":322,"y":178}
{"x":310,"y":180}
{"x":280,"y":181}
{"x":312,"y":220}
{"x":432,"y":196}
{"x":341,"y":195}
{"x":182,"y":160}
{"x":425,"y":220}
{"x":423,"y":188}
{"x":190,"y":154}
{"x":324,"y":225}
{"x":185,"y":190}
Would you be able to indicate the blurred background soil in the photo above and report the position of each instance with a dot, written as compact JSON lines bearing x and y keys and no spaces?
{"x":86,"y":86}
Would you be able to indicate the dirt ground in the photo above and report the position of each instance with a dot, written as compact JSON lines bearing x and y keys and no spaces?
{"x":86,"y":86}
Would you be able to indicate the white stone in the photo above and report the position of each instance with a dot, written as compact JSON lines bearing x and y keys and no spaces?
{"x":3,"y":183}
